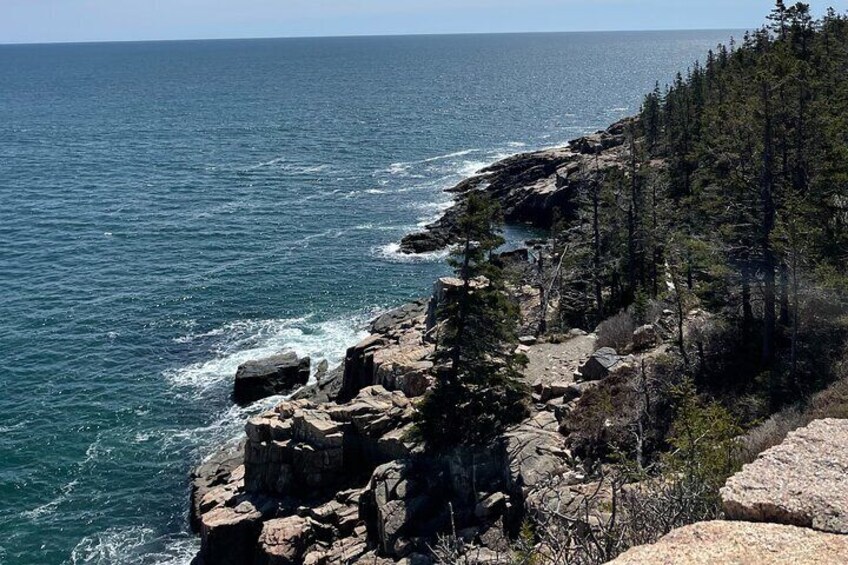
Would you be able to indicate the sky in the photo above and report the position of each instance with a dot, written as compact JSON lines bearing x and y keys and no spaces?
{"x":47,"y":21}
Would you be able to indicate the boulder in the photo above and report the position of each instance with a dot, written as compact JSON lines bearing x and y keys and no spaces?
{"x":556,"y":389}
{"x":284,"y":541}
{"x":275,"y":375}
{"x":600,"y":364}
{"x":527,"y":340}
{"x":576,"y":390}
{"x":743,"y":543}
{"x":801,"y":482}
{"x":229,"y":533}
{"x":491,"y":506}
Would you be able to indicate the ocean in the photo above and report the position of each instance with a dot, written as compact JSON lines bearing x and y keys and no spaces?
{"x":169,"y":210}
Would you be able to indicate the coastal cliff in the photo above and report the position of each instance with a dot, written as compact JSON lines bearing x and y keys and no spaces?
{"x":666,"y":344}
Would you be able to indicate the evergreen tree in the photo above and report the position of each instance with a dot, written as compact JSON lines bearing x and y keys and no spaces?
{"x":478,"y":393}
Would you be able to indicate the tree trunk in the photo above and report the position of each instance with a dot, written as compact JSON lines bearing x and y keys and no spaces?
{"x":784,"y":294}
{"x":596,"y":228}
{"x":768,"y":208}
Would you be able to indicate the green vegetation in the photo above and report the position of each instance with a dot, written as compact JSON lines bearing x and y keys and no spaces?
{"x":732,"y":196}
{"x":478,"y":393}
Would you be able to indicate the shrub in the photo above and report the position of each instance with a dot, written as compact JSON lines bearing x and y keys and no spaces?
{"x":616,"y":332}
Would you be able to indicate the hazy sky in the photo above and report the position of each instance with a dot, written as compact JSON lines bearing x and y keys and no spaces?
{"x":25,"y":21}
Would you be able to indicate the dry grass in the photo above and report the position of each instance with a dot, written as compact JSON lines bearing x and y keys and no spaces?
{"x":829,"y":403}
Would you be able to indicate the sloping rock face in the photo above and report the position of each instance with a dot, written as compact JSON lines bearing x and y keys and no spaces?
{"x":396,"y":356}
{"x":222,"y":468}
{"x":228,"y":532}
{"x":536,"y":451}
{"x":803,"y":481}
{"x":279,"y":374}
{"x":530,"y":186}
{"x":741,"y":543}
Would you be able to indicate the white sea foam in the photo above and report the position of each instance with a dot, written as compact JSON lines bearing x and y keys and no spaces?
{"x":283,"y":164}
{"x":405,"y":165}
{"x":245,"y":340}
{"x":135,"y":544}
{"x":50,"y":507}
{"x":432,"y":211}
{"x":472,"y":168}
{"x":391,"y":252}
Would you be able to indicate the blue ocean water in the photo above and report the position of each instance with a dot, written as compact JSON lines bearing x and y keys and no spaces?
{"x":170,"y":210}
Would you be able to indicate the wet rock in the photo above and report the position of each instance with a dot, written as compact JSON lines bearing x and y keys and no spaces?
{"x":275,"y":375}
{"x":801,"y":482}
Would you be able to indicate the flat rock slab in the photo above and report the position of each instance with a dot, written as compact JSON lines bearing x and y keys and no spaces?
{"x":802,"y":482}
{"x":740,"y":543}
{"x":557,"y":362}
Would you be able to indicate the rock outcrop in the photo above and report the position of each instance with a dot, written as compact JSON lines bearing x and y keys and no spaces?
{"x":529,"y":186}
{"x":279,"y":374}
{"x":217,"y":471}
{"x":302,"y":447}
{"x":741,"y":543}
{"x":396,"y":356}
{"x":802,"y":482}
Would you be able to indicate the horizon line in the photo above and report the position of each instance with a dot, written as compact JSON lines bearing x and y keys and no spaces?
{"x":359,"y":36}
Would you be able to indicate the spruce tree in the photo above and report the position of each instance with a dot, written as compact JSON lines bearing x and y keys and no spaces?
{"x":478,"y":392}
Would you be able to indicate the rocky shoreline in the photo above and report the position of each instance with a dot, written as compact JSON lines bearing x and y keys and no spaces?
{"x":530,"y":187}
{"x":333,"y":476}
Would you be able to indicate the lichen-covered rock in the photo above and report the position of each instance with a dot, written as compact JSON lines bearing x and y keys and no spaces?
{"x":803,"y":481}
{"x":741,"y":543}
